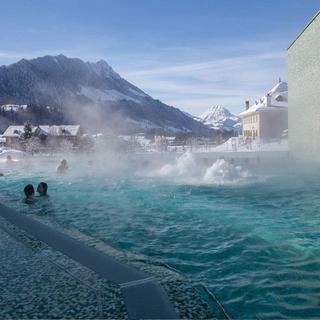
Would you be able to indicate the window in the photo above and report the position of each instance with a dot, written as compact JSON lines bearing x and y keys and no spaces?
{"x":279,"y":98}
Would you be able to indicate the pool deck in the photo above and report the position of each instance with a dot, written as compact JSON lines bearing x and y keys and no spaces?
{"x":48,"y":273}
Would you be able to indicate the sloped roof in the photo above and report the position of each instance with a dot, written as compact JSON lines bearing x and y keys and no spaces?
{"x":278,"y":100}
{"x":63,"y":130}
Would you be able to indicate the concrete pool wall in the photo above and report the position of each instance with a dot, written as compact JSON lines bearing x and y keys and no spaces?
{"x":137,"y":294}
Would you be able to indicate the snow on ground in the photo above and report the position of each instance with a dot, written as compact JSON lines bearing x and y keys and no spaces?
{"x":240,"y":144}
{"x":234,"y":144}
{"x":6,"y":151}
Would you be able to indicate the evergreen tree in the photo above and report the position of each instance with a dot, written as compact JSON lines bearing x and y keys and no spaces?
{"x":26,"y":135}
{"x":27,"y":131}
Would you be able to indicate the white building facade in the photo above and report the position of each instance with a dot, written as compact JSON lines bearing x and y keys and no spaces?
{"x":267,"y":118}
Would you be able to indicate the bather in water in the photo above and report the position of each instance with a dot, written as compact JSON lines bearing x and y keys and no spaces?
{"x":63,"y":166}
{"x":42,"y":189}
{"x":29,"y":192}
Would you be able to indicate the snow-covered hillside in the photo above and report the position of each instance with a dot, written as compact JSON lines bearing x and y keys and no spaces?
{"x":220,"y":118}
{"x":88,"y":93}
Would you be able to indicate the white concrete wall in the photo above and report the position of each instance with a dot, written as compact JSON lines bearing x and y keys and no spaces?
{"x":304,"y":93}
{"x":266,"y":125}
{"x":251,"y":125}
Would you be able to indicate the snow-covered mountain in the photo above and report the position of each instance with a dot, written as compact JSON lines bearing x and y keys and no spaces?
{"x":91,"y":94}
{"x":221,"y":119}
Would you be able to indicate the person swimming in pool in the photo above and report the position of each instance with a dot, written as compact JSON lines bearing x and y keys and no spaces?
{"x":42,"y":189}
{"x":29,"y":192}
{"x":63,"y":166}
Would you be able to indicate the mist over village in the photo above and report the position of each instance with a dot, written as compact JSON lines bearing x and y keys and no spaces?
{"x":160,"y":159}
{"x":103,"y":106}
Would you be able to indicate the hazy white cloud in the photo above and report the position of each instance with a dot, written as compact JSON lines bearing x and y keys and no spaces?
{"x":229,"y":81}
{"x":217,"y":64}
{"x":5,"y":55}
{"x":191,"y":78}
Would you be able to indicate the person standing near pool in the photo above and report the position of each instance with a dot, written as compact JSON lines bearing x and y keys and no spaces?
{"x":63,"y":166}
{"x":29,"y":192}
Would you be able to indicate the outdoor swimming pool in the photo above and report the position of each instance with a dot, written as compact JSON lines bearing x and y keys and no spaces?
{"x":253,"y":238}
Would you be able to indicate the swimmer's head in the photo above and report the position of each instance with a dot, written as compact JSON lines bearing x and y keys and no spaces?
{"x":42,"y":189}
{"x":9,"y":158}
{"x":29,"y":191}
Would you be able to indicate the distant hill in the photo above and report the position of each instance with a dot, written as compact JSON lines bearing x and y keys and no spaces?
{"x":220,"y":119}
{"x":91,"y":94}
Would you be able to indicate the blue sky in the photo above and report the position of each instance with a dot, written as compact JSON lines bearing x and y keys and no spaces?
{"x":188,"y":53}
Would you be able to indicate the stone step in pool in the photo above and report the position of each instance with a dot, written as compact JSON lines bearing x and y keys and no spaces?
{"x":49,"y":271}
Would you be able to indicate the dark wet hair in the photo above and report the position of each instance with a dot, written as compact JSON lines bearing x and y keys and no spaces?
{"x":44,"y":187}
{"x":28,"y":190}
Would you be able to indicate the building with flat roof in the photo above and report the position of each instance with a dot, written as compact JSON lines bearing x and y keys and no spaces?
{"x":304,"y":92}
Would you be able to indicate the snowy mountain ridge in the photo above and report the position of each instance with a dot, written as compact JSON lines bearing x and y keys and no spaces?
{"x":89,"y":93}
{"x":221,"y":119}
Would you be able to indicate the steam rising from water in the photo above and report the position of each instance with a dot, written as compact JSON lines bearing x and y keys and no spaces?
{"x":187,"y":170}
{"x":223,"y":172}
{"x":183,"y":166}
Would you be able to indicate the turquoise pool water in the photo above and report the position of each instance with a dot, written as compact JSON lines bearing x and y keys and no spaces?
{"x":253,"y":241}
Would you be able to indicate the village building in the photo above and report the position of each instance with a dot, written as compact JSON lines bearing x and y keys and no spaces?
{"x":162,"y":142}
{"x":13,"y":107}
{"x":304,"y":82}
{"x":48,"y":136}
{"x":267,"y":118}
